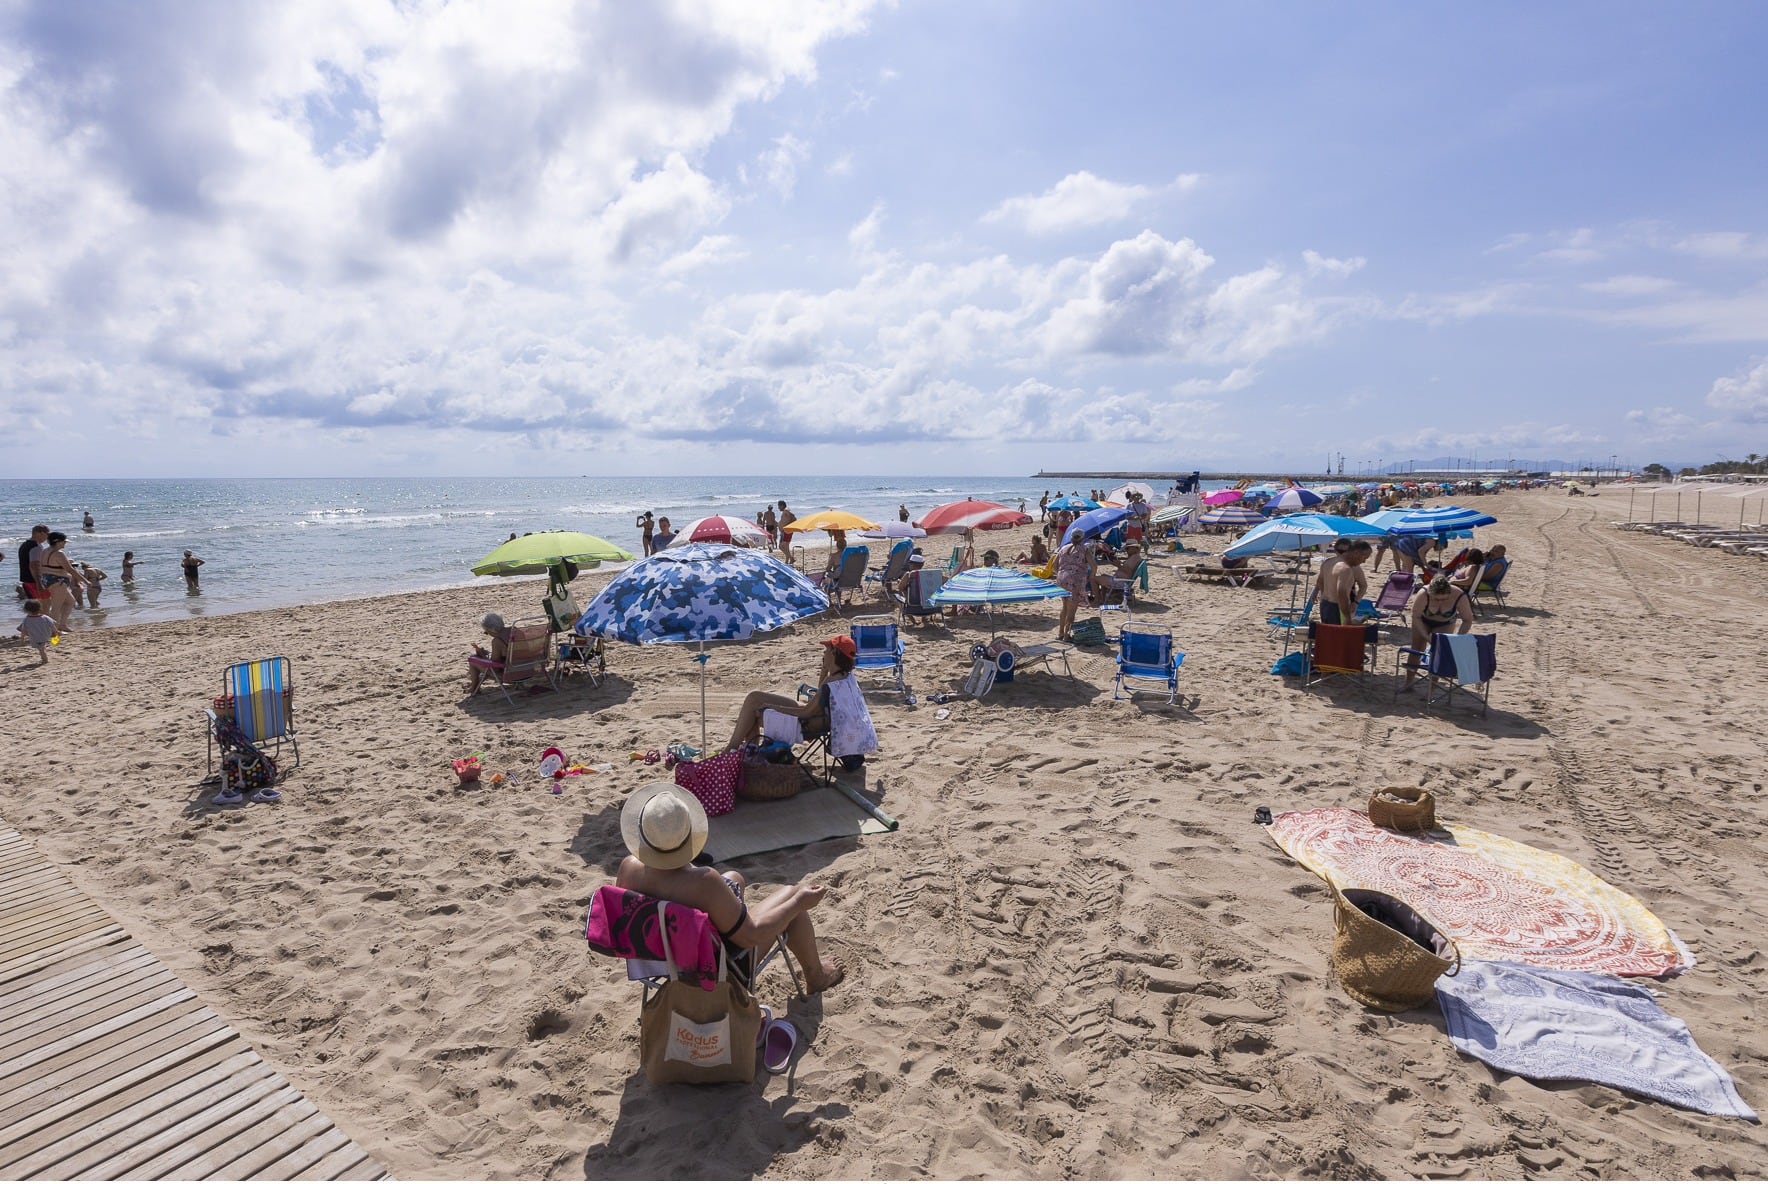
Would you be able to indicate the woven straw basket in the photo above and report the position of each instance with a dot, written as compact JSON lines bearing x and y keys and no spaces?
{"x":1378,"y":964}
{"x":1403,"y":807}
{"x":764,"y":782}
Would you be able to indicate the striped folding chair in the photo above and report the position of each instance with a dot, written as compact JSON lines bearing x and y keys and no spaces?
{"x":260,"y":696}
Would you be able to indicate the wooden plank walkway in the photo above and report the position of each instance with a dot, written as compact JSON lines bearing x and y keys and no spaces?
{"x":110,"y":1068}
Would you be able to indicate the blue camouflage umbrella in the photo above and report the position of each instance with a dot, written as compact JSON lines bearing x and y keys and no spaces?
{"x":1440,"y":520}
{"x":1073,"y":501}
{"x":995,"y":585}
{"x":699,"y":593}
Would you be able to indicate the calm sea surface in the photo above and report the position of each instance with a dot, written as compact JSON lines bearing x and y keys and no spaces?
{"x":299,"y":541}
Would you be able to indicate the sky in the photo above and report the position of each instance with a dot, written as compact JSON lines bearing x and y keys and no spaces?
{"x":342,"y":237}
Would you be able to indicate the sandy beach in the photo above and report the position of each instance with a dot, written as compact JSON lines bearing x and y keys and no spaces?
{"x":1077,"y":957}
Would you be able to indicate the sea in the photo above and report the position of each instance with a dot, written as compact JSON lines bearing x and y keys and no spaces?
{"x":267,"y":543}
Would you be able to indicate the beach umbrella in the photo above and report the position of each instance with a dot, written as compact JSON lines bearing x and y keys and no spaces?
{"x":1073,"y":501}
{"x":547,"y":551}
{"x":1096,"y":522}
{"x":1121,"y":494}
{"x":721,"y":528}
{"x":1294,"y":498}
{"x":699,"y":593}
{"x":1440,"y":520}
{"x":1171,"y":514}
{"x":1232,"y":516}
{"x":1294,"y":532}
{"x":894,"y":530}
{"x":970,"y":514}
{"x":995,"y":585}
{"x":829,"y":520}
{"x":1222,"y":497}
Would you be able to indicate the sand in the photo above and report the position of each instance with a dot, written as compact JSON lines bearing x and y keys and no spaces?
{"x":1078,"y":956}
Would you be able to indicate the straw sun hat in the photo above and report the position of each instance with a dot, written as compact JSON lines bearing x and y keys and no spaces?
{"x":664,"y":825}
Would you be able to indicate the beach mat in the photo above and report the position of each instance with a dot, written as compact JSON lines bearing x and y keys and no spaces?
{"x":816,"y":814}
{"x":1499,"y":900}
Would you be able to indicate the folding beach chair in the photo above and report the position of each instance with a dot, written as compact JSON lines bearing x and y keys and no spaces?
{"x":1491,"y":582}
{"x":1334,"y":650}
{"x":849,"y":576}
{"x":1396,"y":594}
{"x":1287,"y":623}
{"x":877,"y":646}
{"x":917,"y":604}
{"x":1146,"y":652}
{"x":572,"y":651}
{"x":259,"y":698}
{"x":895,"y":564}
{"x":1458,"y":663}
{"x":529,"y":646}
{"x":658,"y":939}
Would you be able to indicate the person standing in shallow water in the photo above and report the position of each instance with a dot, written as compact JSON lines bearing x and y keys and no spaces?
{"x":191,"y":564}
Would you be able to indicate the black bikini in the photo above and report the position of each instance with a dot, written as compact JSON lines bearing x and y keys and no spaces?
{"x":1433,"y":619}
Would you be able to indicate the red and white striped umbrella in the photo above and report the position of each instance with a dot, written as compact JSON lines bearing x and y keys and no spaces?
{"x":720,"y":528}
{"x":957,"y":517}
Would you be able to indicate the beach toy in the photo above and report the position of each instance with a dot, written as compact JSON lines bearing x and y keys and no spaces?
{"x":551,"y":761}
{"x":496,"y":779}
{"x":467,"y":769}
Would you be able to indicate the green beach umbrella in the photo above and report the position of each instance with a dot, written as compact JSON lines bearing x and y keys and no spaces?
{"x":538,"y":553}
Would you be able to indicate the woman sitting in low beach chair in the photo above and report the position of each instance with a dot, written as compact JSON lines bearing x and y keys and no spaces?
{"x":838,"y":710}
{"x":483,"y":660}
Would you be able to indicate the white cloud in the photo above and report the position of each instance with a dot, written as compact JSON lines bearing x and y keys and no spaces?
{"x":1726,"y":245}
{"x":710,"y":251}
{"x":1631,"y":285}
{"x":1319,"y":264}
{"x":1579,"y":246}
{"x":1742,"y":397}
{"x":1080,"y":200}
{"x":777,"y":168}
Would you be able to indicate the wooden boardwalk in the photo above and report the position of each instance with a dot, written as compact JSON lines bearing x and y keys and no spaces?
{"x":110,"y":1068}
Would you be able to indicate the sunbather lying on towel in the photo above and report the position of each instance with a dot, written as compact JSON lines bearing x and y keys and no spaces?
{"x":665,"y":828}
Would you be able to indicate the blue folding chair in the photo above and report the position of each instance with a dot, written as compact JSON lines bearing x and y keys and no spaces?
{"x":1462,"y":663}
{"x":895,"y":564}
{"x":1147,"y":653}
{"x":1491,"y":582}
{"x":1287,"y":623}
{"x":877,"y":645}
{"x":262,"y":699}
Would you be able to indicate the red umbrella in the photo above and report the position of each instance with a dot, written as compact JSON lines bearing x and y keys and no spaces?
{"x":957,"y":517}
{"x":721,"y":529}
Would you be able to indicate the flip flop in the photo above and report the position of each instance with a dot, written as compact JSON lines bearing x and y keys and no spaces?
{"x":267,"y":795}
{"x":766,"y":1019}
{"x":780,"y":1041}
{"x":228,"y":797}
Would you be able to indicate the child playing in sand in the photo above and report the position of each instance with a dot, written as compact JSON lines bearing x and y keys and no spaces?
{"x":37,"y":629}
{"x":94,"y":580}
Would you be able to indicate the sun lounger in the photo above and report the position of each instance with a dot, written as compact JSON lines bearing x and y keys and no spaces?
{"x":1240,"y":577}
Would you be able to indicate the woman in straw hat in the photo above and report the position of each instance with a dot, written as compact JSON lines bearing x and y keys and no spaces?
{"x":664,"y":827}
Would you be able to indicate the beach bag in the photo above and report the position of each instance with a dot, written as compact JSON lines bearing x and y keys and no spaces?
{"x":1088,"y":632}
{"x":1291,"y":665}
{"x":714,"y":781}
{"x":770,"y":781}
{"x":1403,"y":807}
{"x":688,"y":1034}
{"x":1385,"y":954}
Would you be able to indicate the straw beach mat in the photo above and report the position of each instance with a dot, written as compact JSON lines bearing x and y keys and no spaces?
{"x":1384,"y":953}
{"x":1403,"y":807}
{"x":827,"y":812}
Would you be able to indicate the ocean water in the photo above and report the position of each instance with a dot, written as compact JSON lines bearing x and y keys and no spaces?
{"x":273,"y":542}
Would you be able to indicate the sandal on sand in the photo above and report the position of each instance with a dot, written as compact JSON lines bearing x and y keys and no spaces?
{"x":780,"y":1041}
{"x":766,"y":1019}
{"x":267,"y":794}
{"x":228,"y":797}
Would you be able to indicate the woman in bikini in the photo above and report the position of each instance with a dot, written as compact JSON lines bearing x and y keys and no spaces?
{"x":1439,"y":607}
{"x":57,"y":577}
{"x":665,"y":828}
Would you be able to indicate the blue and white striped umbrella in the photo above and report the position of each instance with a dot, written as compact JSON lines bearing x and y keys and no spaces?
{"x":1234,"y":515}
{"x":1296,"y":531}
{"x":1096,"y":522}
{"x":1443,"y":520}
{"x":995,"y":585}
{"x":1294,"y":499}
{"x":699,"y":593}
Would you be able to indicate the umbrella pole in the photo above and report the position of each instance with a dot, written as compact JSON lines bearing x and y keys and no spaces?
{"x":702,"y":661}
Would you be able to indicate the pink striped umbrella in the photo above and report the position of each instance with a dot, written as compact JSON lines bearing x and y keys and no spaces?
{"x":957,"y":517}
{"x":720,"y":528}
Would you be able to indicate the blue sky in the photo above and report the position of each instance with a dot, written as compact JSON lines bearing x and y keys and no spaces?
{"x":350,"y":238}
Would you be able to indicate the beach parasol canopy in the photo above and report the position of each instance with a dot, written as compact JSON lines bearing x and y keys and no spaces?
{"x":1386,"y":519}
{"x":894,"y":530}
{"x":995,"y":585}
{"x":1294,"y":498}
{"x":1222,"y":497}
{"x":1293,"y":532}
{"x":540,"y":552}
{"x":1121,"y":494}
{"x":1171,"y":514}
{"x":1096,"y":522}
{"x":1073,"y":501}
{"x":699,"y":593}
{"x":970,"y":514}
{"x":721,"y":528}
{"x":829,"y":520}
{"x":1440,"y":520}
{"x":1232,"y":516}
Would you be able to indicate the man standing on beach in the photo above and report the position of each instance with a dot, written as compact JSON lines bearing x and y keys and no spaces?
{"x":786,"y":518}
{"x":30,"y":559}
{"x":1043,"y":507}
{"x":1343,"y":586}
